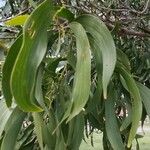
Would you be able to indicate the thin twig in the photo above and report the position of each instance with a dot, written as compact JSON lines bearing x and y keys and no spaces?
{"x":144,"y":10}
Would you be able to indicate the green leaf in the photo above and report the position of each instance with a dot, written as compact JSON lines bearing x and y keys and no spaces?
{"x":24,"y":137}
{"x":30,"y":56}
{"x":4,"y":115}
{"x":112,"y":128}
{"x":13,"y":127}
{"x":38,"y":87}
{"x":76,"y":132}
{"x":105,"y":43}
{"x":71,"y":59}
{"x":7,"y":69}
{"x":48,"y":132}
{"x":17,"y":20}
{"x":82,"y":79}
{"x":60,"y":143}
{"x":97,"y":54}
{"x":136,"y":101}
{"x":38,"y":122}
{"x":65,"y":13}
{"x":122,"y":58}
{"x":145,"y":95}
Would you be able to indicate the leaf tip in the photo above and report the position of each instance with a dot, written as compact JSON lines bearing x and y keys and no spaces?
{"x":105,"y":94}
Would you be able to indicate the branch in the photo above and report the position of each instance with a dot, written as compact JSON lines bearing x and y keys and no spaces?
{"x":122,"y":31}
{"x":122,"y":9}
{"x":144,"y":10}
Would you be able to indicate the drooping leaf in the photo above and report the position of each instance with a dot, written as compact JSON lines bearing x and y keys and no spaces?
{"x":95,"y":47}
{"x":7,"y":70}
{"x":48,"y":132}
{"x":145,"y":95}
{"x":4,"y":115}
{"x":82,"y":77}
{"x":60,"y":143}
{"x":17,"y":20}
{"x":122,"y":58}
{"x":104,"y":40}
{"x":13,"y":127}
{"x":30,"y":56}
{"x":111,"y":124}
{"x":76,"y":132}
{"x":38,"y":87}
{"x":38,"y":122}
{"x":136,"y":101}
{"x":24,"y":137}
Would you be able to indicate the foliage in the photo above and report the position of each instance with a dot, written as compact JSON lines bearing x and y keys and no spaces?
{"x":66,"y":74}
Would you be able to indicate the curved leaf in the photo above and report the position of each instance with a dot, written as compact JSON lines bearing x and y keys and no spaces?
{"x":30,"y":56}
{"x":122,"y":57}
{"x":7,"y":69}
{"x":136,"y":101}
{"x":17,"y":20}
{"x":112,"y":128}
{"x":76,"y":132}
{"x":82,"y":79}
{"x":145,"y":95}
{"x":38,"y":122}
{"x":105,"y":43}
{"x":13,"y":127}
{"x":4,"y":115}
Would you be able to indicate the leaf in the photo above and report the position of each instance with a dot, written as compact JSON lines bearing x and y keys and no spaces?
{"x":38,"y":87}
{"x":82,"y":77}
{"x":4,"y":115}
{"x":65,"y":13}
{"x":145,"y":95}
{"x":30,"y":56}
{"x":38,"y":122}
{"x":13,"y":127}
{"x":24,"y":137}
{"x":95,"y":47}
{"x":122,"y":58}
{"x":7,"y":69}
{"x":48,"y":132}
{"x":17,"y":20}
{"x":76,"y":132}
{"x":60,"y":143}
{"x":136,"y":101}
{"x":104,"y":40}
{"x":111,"y":124}
{"x":71,"y":59}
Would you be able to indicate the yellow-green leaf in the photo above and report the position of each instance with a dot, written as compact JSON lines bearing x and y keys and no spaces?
{"x":17,"y":20}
